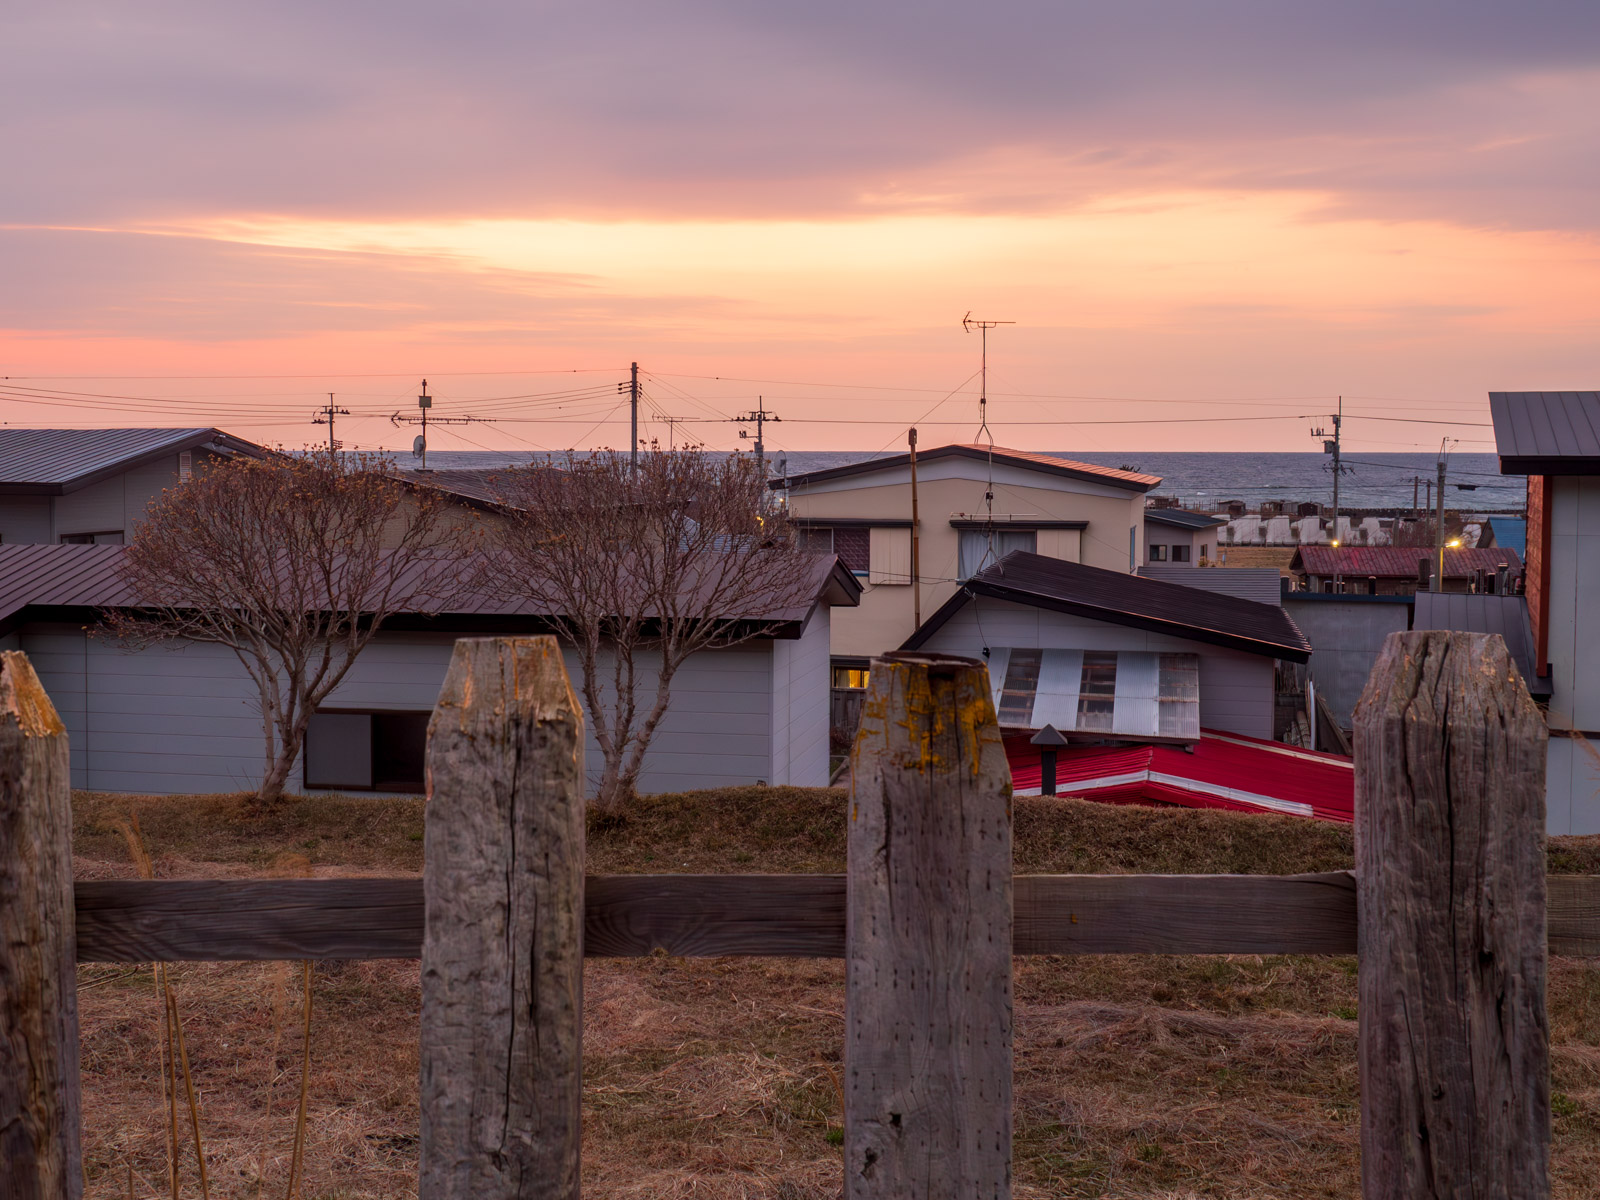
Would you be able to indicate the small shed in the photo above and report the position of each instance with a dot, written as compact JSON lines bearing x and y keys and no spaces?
{"x":1102,"y":654}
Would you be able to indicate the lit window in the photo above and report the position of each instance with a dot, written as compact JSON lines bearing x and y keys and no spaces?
{"x":851,"y":677}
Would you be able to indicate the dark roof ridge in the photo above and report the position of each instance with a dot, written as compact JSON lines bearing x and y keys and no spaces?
{"x":1133,"y":481}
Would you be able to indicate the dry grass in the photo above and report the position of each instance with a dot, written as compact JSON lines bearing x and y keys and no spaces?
{"x":1136,"y":1076}
{"x":1260,"y":556}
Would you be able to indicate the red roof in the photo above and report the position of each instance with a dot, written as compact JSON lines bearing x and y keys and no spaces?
{"x":1225,"y":770}
{"x":1399,"y":562}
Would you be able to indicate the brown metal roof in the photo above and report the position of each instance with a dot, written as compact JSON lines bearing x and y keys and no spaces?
{"x":57,"y":461}
{"x":1182,"y":518}
{"x":1121,"y":599}
{"x":1546,"y":433}
{"x":1399,"y":562}
{"x":484,"y":486}
{"x":1133,"y":481}
{"x":36,"y":579}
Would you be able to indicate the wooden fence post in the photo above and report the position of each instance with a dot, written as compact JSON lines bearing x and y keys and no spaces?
{"x":40,"y":1157}
{"x":502,"y":951}
{"x":1450,"y":869}
{"x":928,"y":939}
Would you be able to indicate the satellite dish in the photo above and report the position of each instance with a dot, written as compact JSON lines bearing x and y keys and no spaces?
{"x":418,"y":446}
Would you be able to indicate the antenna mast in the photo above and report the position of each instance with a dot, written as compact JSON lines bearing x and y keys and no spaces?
{"x":419,"y":448}
{"x":984,"y":431}
{"x":325,"y":416}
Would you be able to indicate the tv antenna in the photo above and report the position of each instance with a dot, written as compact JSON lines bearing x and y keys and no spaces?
{"x":984,"y":432}
{"x":419,"y":447}
{"x":983,"y":328}
{"x":325,"y":416}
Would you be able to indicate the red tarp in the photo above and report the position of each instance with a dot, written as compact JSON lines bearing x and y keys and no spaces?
{"x":1225,"y":770}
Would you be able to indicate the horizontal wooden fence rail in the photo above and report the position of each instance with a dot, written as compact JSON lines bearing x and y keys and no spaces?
{"x":799,"y":916}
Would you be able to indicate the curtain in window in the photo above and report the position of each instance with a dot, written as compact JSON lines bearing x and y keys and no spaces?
{"x":974,"y":554}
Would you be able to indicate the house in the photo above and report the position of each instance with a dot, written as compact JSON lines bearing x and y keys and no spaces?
{"x":1100,"y":653}
{"x":1510,"y":532}
{"x":1041,"y":504}
{"x":1553,"y":438}
{"x":1153,"y":692}
{"x":1179,"y":537}
{"x":1346,"y":631}
{"x":184,"y":718}
{"x":1397,"y":570}
{"x":94,"y":485}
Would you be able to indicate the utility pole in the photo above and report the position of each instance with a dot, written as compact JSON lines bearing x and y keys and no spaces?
{"x":633,"y":404}
{"x":760,"y":416}
{"x":419,"y":448}
{"x":325,"y":416}
{"x":1332,"y":446}
{"x":1438,"y":524}
{"x":916,"y":544}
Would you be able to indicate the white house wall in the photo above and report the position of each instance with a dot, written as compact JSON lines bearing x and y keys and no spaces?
{"x":186,"y":720}
{"x":1573,"y":765}
{"x":800,"y":680}
{"x":1236,"y":689}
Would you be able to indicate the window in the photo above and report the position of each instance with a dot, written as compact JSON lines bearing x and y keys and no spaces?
{"x":854,"y":548}
{"x":1016,"y":694}
{"x":1180,"y":554}
{"x":367,"y":751}
{"x":1129,"y":693}
{"x":974,"y":553}
{"x":1179,"y":696}
{"x":110,"y":537}
{"x":1158,"y":553}
{"x":851,"y":677}
{"x":185,"y":465}
{"x":1097,"y":692}
{"x":1205,"y":551}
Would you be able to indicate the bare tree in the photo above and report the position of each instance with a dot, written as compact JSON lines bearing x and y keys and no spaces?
{"x":637,"y":568}
{"x":293,"y":562}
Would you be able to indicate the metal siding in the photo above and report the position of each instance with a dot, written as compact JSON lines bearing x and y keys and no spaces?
{"x":24,"y":519}
{"x":144,"y":483}
{"x":1055,"y":701}
{"x":1546,"y":424}
{"x":1258,"y":584}
{"x":1345,"y":636}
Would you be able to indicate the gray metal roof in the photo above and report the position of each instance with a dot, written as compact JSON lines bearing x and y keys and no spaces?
{"x":35,"y":579}
{"x":57,"y":461}
{"x":1182,"y":518}
{"x":1476,"y":613}
{"x":1546,"y":433}
{"x":1264,"y":585}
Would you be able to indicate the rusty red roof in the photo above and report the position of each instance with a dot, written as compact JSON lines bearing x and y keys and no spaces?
{"x":1399,"y":562}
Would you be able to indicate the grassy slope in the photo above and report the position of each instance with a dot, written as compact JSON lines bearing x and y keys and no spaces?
{"x":1136,"y":1076}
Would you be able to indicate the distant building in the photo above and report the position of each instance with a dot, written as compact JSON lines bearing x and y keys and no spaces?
{"x":1554,"y":439}
{"x":1395,"y":570}
{"x":1178,"y":537}
{"x":1508,"y":532}
{"x":93,"y":485}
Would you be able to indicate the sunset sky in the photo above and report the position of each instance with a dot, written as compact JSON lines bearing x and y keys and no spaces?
{"x":217,"y":213}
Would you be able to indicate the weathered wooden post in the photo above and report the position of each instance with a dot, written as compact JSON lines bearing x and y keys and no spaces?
{"x":928,"y":939}
{"x":39,"y":1108}
{"x":502,"y":954}
{"x":1450,"y":870}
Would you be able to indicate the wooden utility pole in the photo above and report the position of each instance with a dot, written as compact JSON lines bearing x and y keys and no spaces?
{"x":916,"y":540}
{"x":1450,"y":870}
{"x":1438,"y":530}
{"x":633,"y":406}
{"x":927,"y":1053}
{"x":40,"y":1124}
{"x":502,"y":953}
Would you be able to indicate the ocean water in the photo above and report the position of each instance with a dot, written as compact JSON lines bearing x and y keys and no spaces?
{"x":1203,"y":479}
